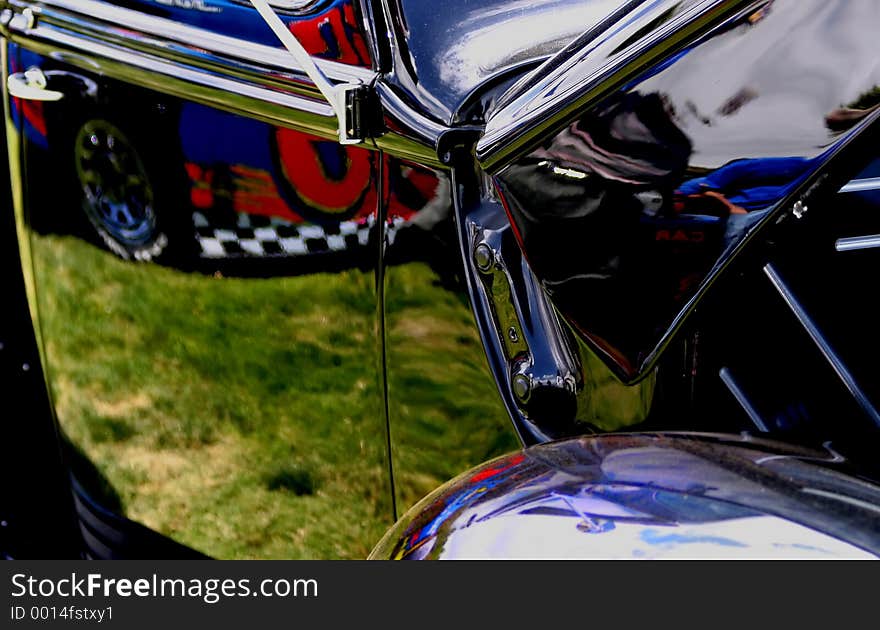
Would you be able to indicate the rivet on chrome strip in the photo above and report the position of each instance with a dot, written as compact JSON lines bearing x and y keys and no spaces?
{"x":799,"y":209}
{"x":521,"y":387}
{"x":483,"y":257}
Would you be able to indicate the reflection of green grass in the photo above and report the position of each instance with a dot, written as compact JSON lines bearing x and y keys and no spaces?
{"x":242,"y":416}
{"x":445,"y":410}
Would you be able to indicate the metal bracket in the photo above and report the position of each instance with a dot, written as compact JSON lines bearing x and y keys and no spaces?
{"x":359,"y":113}
{"x":536,"y":363}
{"x":350,"y":101}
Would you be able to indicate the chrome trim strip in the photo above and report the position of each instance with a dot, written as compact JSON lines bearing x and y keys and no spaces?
{"x":584,"y":76}
{"x":186,"y":62}
{"x":315,"y":116}
{"x":862,"y":185}
{"x":743,"y":400}
{"x":297,"y":6}
{"x":129,"y":25}
{"x":411,"y":135}
{"x":270,"y":91}
{"x":853,"y":243}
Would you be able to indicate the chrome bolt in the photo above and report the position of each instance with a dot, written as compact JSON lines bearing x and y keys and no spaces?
{"x":799,"y":209}
{"x":512,"y":334}
{"x":25,"y":367}
{"x":483,"y":257}
{"x":521,"y":387}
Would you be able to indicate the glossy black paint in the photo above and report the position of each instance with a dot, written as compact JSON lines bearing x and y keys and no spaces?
{"x":419,"y":403}
{"x":442,"y":403}
{"x":36,"y":510}
{"x":630,"y":211}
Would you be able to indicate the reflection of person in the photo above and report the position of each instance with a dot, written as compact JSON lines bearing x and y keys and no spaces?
{"x":742,"y":191}
{"x":579,"y":205}
{"x":745,"y":185}
{"x":579,"y":197}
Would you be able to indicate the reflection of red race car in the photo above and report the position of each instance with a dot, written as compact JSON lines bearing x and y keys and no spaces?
{"x":393,"y":239}
{"x":254,"y":191}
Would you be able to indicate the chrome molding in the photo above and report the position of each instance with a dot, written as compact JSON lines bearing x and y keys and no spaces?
{"x":143,"y":31}
{"x":853,"y":243}
{"x":862,"y":185}
{"x":737,"y":392}
{"x":410,"y":135}
{"x":293,"y":6}
{"x":583,"y":76}
{"x":252,"y":79}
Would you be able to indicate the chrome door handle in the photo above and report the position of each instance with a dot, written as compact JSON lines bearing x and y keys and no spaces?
{"x":31,"y":85}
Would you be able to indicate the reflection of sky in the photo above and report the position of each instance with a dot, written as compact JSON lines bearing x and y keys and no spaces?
{"x":457,"y":44}
{"x":536,"y":536}
{"x":483,"y":44}
{"x":793,"y":81}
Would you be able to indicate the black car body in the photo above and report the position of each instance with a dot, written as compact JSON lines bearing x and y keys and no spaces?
{"x":268,"y":302}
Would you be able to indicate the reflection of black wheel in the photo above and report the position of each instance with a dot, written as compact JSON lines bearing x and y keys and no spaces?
{"x":122,"y":192}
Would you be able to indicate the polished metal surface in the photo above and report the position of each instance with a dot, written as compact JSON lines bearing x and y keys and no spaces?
{"x":337,"y":95}
{"x":444,"y":59}
{"x":552,"y":385}
{"x":862,"y":185}
{"x":409,"y":134}
{"x":159,"y":35}
{"x":252,"y":78}
{"x":645,"y":496}
{"x":852,"y":243}
{"x":118,"y":196}
{"x":181,"y":60}
{"x":291,"y":5}
{"x":581,"y":76}
{"x":730,"y":382}
{"x":823,"y":344}
{"x":536,"y":366}
{"x":636,"y":202}
{"x":301,"y":359}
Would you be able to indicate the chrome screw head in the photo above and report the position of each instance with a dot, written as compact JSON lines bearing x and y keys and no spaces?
{"x":483,"y":257}
{"x":522,"y":387}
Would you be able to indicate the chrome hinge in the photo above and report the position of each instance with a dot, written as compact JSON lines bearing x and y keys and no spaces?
{"x":352,"y":103}
{"x":360,"y":117}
